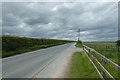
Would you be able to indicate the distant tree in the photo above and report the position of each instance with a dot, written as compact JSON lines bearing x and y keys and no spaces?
{"x":118,"y":43}
{"x":79,"y":41}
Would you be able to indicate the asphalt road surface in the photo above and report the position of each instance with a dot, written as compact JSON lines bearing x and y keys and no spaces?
{"x":42,"y":63}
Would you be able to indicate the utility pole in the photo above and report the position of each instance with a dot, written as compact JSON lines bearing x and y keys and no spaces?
{"x":78,"y":34}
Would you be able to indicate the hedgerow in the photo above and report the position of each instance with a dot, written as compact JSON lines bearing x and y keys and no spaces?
{"x":12,"y":45}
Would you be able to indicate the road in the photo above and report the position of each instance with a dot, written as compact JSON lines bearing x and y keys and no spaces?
{"x":42,"y":63}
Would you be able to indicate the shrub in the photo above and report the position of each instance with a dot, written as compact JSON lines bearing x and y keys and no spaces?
{"x":12,"y":45}
{"x":79,"y":44}
{"x":118,"y":43}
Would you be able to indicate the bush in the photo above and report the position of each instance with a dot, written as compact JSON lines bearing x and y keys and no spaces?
{"x":118,"y":43}
{"x":12,"y":45}
{"x":79,"y":44}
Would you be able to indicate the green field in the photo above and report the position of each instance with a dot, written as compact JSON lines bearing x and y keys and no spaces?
{"x":13,"y":45}
{"x":81,"y":67}
{"x":109,"y":50}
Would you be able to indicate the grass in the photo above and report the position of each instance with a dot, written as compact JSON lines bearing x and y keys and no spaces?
{"x":79,"y":44}
{"x":13,"y":45}
{"x":81,"y":67}
{"x":109,"y":50}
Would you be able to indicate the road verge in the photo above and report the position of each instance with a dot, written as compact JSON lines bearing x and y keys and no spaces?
{"x":81,"y":67}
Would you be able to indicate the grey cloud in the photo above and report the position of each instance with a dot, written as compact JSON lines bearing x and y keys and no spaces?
{"x":10,"y":20}
{"x":61,"y":20}
{"x":38,"y":20}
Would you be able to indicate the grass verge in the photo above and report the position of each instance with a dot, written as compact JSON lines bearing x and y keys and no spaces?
{"x":81,"y":67}
{"x":79,"y":44}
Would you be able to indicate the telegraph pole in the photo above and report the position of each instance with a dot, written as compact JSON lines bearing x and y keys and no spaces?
{"x":78,"y":34}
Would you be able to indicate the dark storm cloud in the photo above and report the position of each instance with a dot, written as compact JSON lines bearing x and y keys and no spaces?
{"x":97,"y":21}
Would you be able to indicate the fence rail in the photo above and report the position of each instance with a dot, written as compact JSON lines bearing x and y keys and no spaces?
{"x":105,"y":60}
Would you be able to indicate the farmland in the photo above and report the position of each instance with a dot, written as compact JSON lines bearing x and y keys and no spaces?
{"x":109,"y":50}
{"x":13,"y":45}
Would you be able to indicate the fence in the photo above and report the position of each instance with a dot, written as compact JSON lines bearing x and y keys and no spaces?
{"x":101,"y":64}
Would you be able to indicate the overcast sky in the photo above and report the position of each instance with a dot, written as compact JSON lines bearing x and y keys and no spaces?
{"x":98,"y":21}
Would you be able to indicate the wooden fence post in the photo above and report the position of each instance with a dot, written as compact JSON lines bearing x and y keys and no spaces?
{"x":118,"y":48}
{"x":88,"y":52}
{"x":118,"y":53}
{"x":103,"y":64}
{"x":95,"y":47}
{"x":106,"y":49}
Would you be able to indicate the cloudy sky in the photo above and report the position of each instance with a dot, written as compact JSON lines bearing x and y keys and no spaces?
{"x":98,"y":21}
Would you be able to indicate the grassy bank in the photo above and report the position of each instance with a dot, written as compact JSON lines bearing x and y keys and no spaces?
{"x":108,"y":49}
{"x":13,"y":45}
{"x":81,"y":67}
